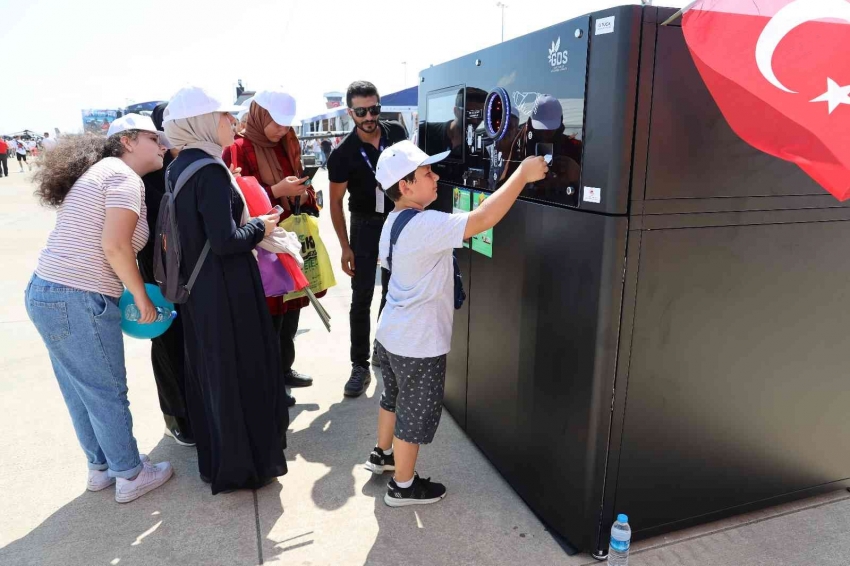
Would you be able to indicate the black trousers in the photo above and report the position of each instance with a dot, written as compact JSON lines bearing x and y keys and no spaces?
{"x":168,"y":357}
{"x":168,"y":354}
{"x":286,"y":325}
{"x":4,"y":165}
{"x":364,"y":238}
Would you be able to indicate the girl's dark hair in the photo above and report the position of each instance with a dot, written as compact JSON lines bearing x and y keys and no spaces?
{"x":394,"y":192}
{"x":360,"y":88}
{"x":59,"y":168}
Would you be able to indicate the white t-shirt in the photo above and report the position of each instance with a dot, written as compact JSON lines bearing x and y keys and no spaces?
{"x":48,"y":143}
{"x":31,"y":145}
{"x":417,"y":320}
{"x":19,"y":147}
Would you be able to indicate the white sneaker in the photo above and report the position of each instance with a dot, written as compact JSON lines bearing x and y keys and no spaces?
{"x":151,"y":477}
{"x":99,"y":479}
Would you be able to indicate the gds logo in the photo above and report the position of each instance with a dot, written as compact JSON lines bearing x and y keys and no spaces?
{"x":557,"y":58}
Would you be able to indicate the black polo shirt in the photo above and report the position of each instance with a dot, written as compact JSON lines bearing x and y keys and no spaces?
{"x":346,"y":164}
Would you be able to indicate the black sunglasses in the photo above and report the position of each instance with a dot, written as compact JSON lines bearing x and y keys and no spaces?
{"x":373,"y":110}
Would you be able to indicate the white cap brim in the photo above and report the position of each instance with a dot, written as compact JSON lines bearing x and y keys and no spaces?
{"x":226,"y":108}
{"x":163,"y":140}
{"x":436,"y":158}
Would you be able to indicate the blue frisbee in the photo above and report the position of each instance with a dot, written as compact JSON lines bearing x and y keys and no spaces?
{"x":144,"y":331}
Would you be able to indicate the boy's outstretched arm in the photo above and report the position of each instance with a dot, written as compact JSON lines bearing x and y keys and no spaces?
{"x":494,"y":208}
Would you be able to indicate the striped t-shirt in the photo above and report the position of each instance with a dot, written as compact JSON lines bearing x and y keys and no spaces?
{"x":74,"y":253}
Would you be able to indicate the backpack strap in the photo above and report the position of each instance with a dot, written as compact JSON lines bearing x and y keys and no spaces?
{"x":181,"y":181}
{"x":188,"y":172}
{"x":404,"y":217}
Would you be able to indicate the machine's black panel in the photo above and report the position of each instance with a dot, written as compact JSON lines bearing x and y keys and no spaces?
{"x":539,"y":376}
{"x":693,"y":153}
{"x":456,"y":362}
{"x":737,"y":389}
{"x":612,"y":78}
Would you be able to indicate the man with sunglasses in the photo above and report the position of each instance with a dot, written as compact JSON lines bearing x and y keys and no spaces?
{"x":351,"y":167}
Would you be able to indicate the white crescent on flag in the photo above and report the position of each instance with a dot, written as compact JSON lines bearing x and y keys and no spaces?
{"x":784,"y":21}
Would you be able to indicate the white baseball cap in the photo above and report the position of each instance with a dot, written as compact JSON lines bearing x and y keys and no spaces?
{"x":137,"y":122}
{"x":401,"y":159}
{"x":280,"y":105}
{"x":193,"y":101}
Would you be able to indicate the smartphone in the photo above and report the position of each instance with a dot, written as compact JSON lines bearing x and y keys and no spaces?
{"x":543,"y":149}
{"x":310,"y":171}
{"x":276,"y":210}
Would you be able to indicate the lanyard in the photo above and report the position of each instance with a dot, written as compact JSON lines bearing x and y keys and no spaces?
{"x":381,"y":148}
{"x":379,"y":195}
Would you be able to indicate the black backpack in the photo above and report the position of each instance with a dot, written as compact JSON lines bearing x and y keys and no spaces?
{"x":401,"y":221}
{"x":167,"y":253}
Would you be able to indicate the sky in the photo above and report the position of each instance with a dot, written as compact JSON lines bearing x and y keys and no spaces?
{"x":62,"y":56}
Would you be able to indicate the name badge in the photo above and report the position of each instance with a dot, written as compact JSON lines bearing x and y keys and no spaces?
{"x":379,"y":200}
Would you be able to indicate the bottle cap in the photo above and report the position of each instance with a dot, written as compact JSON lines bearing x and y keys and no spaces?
{"x":623,"y":518}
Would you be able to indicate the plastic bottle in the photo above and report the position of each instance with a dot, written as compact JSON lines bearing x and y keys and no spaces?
{"x":621,"y":536}
{"x":132,"y":313}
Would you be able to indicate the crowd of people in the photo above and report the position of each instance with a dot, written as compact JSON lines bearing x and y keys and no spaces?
{"x":21,"y":147}
{"x":223,"y":366}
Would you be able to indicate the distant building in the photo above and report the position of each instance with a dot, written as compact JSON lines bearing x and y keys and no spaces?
{"x":144,"y":108}
{"x":333,"y":99}
{"x":401,"y":106}
{"x":241,"y":94}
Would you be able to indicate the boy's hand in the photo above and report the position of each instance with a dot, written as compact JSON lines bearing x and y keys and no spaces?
{"x":533,"y":169}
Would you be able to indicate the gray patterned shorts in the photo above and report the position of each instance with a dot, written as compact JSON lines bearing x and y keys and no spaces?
{"x":413,"y":390}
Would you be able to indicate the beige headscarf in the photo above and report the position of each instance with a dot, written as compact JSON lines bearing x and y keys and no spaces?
{"x":199,"y":132}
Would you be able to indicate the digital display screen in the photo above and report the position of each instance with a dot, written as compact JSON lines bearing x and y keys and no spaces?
{"x":444,"y":122}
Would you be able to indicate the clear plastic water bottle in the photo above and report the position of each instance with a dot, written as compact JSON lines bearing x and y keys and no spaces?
{"x":133,"y":314}
{"x":621,"y":536}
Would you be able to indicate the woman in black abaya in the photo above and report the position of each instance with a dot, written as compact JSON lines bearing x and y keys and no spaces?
{"x":235,"y":398}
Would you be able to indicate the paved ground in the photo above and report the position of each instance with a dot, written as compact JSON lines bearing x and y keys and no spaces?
{"x":327,"y":510}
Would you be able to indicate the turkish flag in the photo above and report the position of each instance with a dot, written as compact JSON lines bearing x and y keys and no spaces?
{"x":779,"y":70}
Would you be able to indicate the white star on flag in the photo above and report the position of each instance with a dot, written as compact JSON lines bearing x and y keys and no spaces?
{"x":834,"y":95}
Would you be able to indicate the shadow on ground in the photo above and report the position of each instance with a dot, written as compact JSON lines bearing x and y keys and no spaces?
{"x":173,"y":524}
{"x":339,"y":437}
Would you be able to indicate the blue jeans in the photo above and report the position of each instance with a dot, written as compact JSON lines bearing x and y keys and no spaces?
{"x":82,"y":332}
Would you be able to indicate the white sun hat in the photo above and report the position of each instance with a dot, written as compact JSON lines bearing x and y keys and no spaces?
{"x":136,"y":122}
{"x":279,"y":104}
{"x":193,"y":101}
{"x":401,"y":159}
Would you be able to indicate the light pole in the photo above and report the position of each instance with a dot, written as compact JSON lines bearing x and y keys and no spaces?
{"x":502,"y":5}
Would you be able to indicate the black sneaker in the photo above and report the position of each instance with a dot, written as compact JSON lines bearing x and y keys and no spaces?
{"x":422,"y":492}
{"x":294,"y":379}
{"x":290,"y":400}
{"x":378,"y":462}
{"x":358,"y":382}
{"x":178,"y":429}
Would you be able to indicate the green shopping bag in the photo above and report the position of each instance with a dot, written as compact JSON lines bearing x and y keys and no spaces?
{"x":317,"y":264}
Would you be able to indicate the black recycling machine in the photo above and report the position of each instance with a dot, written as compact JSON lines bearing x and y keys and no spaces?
{"x":658,"y":328}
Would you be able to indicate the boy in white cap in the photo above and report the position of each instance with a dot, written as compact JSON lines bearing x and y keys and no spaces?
{"x":415,"y":329}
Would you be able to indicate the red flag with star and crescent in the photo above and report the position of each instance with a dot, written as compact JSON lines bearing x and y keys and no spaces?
{"x":779,"y":70}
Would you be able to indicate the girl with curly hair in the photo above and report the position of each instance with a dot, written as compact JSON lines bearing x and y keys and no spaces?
{"x":95,"y":184}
